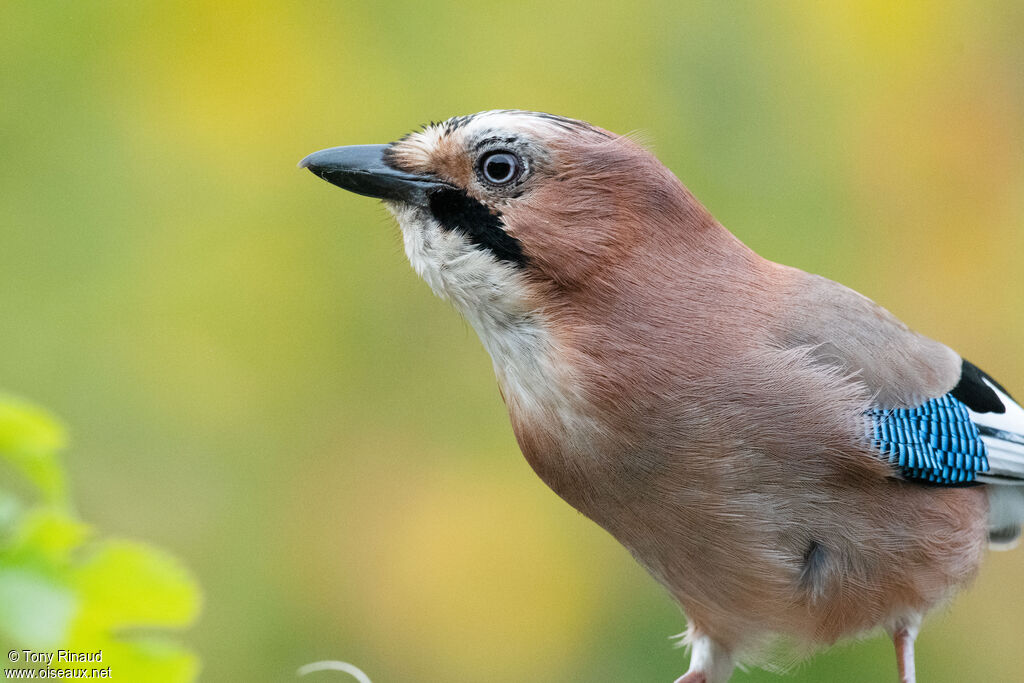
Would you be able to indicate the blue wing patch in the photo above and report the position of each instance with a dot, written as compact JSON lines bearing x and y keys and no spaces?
{"x":936,"y":442}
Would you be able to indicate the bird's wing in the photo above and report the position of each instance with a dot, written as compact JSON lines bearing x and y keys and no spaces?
{"x":973,"y":433}
{"x":935,"y":417}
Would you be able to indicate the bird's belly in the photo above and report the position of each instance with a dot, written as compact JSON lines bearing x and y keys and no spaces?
{"x":814,"y":569}
{"x":755,"y":538}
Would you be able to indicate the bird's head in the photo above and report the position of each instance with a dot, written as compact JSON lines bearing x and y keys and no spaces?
{"x":503,"y":210}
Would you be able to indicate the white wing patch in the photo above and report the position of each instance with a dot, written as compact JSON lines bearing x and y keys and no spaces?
{"x":1003,"y":434}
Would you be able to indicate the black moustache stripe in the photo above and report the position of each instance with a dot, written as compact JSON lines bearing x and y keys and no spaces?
{"x":456,"y":210}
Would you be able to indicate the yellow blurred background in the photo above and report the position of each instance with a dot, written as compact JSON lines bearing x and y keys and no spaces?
{"x":255,"y":380}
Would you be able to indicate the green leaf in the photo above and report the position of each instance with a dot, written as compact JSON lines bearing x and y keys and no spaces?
{"x":124,"y":584}
{"x":30,"y":439}
{"x":48,"y":534}
{"x":59,"y":588}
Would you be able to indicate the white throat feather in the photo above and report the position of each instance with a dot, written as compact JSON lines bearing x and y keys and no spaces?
{"x":494,"y":297}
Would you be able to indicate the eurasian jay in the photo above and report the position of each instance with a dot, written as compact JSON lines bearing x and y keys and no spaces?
{"x":783,"y":455}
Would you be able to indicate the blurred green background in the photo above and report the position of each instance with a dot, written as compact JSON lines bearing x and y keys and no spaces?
{"x":256,"y":381}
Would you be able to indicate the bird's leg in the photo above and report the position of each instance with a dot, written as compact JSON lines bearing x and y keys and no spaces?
{"x":904,"y":641}
{"x":904,"y":633}
{"x":709,"y":661}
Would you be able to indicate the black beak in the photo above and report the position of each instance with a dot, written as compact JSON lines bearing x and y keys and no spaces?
{"x":363,"y":170}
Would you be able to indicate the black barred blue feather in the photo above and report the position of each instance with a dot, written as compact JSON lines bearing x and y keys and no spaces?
{"x":936,"y":442}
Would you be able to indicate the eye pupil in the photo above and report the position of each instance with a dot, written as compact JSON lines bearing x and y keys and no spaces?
{"x":500,"y":167}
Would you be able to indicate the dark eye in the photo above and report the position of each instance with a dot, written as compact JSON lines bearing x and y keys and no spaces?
{"x":500,"y":168}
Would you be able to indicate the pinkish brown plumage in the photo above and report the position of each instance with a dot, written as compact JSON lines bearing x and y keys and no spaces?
{"x":724,"y":417}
